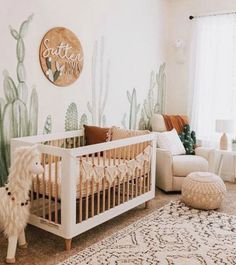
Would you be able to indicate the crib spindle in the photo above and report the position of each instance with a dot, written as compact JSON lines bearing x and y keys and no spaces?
{"x":109,"y":184}
{"x":109,"y":196}
{"x":80,"y":196}
{"x":86,"y":201}
{"x":56,"y":189}
{"x":49,"y":187}
{"x":104,"y":183}
{"x":92,"y":189}
{"x":103,"y":195}
{"x":148,"y":171}
{"x":92,"y":197}
{"x":124,"y":155}
{"x":114,"y":182}
{"x":98,"y":186}
{"x":43,"y":184}
{"x":114,"y":193}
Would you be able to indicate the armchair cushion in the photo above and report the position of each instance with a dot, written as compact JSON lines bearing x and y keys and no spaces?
{"x":171,"y":142}
{"x":186,"y":164}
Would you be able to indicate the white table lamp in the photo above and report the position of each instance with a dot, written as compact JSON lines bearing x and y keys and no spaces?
{"x":224,"y":126}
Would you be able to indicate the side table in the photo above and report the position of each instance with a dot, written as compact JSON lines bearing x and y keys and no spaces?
{"x":222,"y":153}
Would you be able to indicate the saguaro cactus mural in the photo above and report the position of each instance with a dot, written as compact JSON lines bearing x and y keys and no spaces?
{"x":154,"y":103}
{"x":133,"y":111}
{"x":15,"y":119}
{"x":97,"y":106}
{"x":161,"y":85}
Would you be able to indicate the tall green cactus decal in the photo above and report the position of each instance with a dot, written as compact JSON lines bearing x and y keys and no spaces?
{"x":161,"y":84}
{"x":154,"y":103}
{"x":133,"y":110}
{"x":71,"y":119}
{"x":33,"y":113}
{"x":15,"y":119}
{"x":98,"y":104}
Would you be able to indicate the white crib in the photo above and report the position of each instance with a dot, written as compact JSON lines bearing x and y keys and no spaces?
{"x":84,"y":186}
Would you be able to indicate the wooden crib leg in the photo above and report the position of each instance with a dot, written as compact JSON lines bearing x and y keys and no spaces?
{"x":147,"y":204}
{"x":68,"y":244}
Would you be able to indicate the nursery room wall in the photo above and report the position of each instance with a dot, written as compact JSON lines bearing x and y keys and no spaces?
{"x":122,"y":41}
{"x":180,"y":28}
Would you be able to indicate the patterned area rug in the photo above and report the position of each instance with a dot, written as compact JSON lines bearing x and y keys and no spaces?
{"x":172,"y":235}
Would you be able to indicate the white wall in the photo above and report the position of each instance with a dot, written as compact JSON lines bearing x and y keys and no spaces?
{"x":132,"y":30}
{"x":180,"y":27}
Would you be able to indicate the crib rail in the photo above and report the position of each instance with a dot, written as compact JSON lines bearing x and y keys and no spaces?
{"x":66,"y":197}
{"x":113,"y":177}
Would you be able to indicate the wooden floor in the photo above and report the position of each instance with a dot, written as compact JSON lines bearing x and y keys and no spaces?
{"x":46,"y":249}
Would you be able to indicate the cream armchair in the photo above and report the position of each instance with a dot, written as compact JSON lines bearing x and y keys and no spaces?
{"x":171,"y":170}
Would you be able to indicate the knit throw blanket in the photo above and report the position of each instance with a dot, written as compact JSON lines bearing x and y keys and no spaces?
{"x":175,"y":121}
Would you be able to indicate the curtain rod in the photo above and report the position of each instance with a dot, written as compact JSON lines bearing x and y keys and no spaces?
{"x":214,"y":14}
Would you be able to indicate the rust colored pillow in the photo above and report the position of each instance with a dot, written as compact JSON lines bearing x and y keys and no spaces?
{"x":96,"y":135}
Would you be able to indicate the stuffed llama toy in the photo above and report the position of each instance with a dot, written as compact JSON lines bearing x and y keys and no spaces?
{"x":14,"y":197}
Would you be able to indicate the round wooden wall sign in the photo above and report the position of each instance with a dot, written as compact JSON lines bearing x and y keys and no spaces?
{"x":61,"y":56}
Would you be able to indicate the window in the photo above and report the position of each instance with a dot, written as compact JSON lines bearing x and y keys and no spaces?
{"x":213,"y":73}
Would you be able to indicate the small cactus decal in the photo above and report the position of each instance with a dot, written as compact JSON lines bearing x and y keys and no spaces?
{"x":133,"y":111}
{"x":98,"y":103}
{"x":48,"y":125}
{"x":154,"y":103}
{"x":15,"y":118}
{"x":71,"y":119}
{"x":83,"y":120}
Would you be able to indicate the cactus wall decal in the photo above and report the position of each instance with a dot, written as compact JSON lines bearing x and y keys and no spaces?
{"x":47,"y":125}
{"x":15,"y":119}
{"x":83,"y":120}
{"x":161,"y":84}
{"x":133,"y":111}
{"x":154,"y":103}
{"x":97,"y":106}
{"x":71,"y":119}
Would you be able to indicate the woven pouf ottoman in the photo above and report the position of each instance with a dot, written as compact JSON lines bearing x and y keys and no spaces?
{"x":203,"y":190}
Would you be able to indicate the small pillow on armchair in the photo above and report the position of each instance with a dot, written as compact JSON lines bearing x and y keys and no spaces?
{"x":170,"y":141}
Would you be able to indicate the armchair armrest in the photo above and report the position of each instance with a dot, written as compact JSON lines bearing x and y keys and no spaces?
{"x":164,"y":169}
{"x":208,"y":154}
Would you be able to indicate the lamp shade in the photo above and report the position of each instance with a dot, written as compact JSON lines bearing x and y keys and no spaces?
{"x":224,"y":126}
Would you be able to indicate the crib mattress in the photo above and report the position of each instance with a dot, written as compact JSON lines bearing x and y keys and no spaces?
{"x":49,"y":184}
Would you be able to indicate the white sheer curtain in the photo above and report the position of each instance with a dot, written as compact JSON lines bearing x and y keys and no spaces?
{"x":213,"y":74}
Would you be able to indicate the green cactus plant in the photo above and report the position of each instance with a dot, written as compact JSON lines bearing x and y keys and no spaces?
{"x":15,"y":119}
{"x":98,"y":104}
{"x":154,"y":103}
{"x":71,"y":119}
{"x":188,"y":138}
{"x":134,"y":108}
